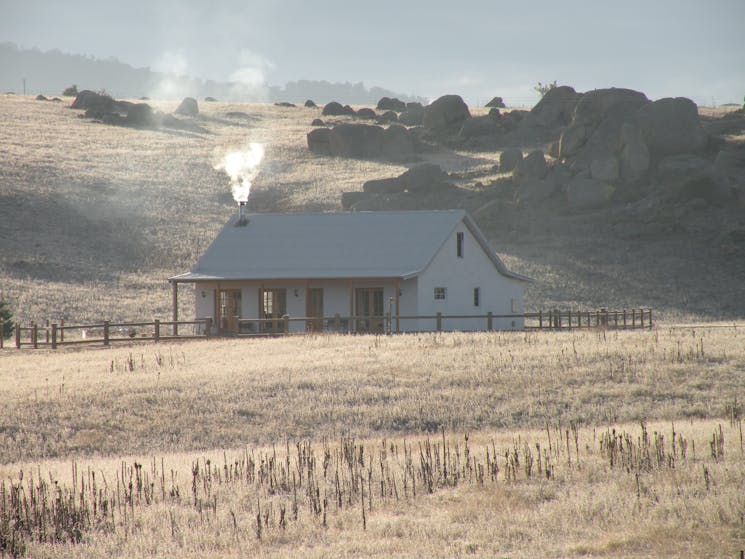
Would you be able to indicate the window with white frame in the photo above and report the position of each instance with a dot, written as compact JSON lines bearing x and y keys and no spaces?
{"x":459,"y":238}
{"x":441,"y":293}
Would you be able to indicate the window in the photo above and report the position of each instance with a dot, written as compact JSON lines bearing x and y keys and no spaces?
{"x":459,"y":244}
{"x":441,"y":293}
{"x":515,"y":306}
{"x":476,"y":296}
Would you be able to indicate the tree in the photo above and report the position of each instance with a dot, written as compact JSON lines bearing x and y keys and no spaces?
{"x":7,"y":319}
{"x":544,"y":88}
{"x":71,"y":91}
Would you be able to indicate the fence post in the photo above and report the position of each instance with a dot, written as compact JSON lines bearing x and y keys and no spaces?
{"x":540,"y":319}
{"x":286,"y":322}
{"x":208,"y":326}
{"x":105,"y":332}
{"x":35,"y":335}
{"x":650,"y":318}
{"x":569,"y":315}
{"x":2,"y":332}
{"x":156,"y":332}
{"x":624,"y":318}
{"x":18,"y":335}
{"x":439,"y":322}
{"x":633,"y":318}
{"x":641,"y":317}
{"x":46,"y":331}
{"x":62,"y":330}
{"x":54,"y":335}
{"x":489,"y":325}
{"x":337,"y":322}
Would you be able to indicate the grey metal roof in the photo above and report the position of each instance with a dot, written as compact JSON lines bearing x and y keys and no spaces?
{"x":332,"y":245}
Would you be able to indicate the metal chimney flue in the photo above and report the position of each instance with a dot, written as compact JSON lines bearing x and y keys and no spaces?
{"x":242,"y":217}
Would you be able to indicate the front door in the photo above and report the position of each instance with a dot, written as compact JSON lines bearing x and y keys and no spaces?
{"x":314,"y":309}
{"x":369,"y":309}
{"x":272,"y":307}
{"x":229,"y":310}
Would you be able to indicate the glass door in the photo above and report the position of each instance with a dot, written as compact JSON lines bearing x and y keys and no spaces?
{"x":272,"y":307}
{"x":370,"y":312}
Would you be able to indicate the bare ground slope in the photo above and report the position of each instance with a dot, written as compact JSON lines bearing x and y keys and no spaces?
{"x":94,"y":218}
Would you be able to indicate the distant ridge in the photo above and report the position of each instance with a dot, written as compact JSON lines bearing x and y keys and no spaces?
{"x":50,"y":72}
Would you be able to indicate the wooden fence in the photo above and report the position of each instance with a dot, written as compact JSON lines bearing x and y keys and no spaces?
{"x":106,"y":333}
{"x":54,"y":335}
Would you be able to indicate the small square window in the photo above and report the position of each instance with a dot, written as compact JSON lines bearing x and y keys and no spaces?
{"x":459,"y":244}
{"x":441,"y":293}
{"x":476,"y":296}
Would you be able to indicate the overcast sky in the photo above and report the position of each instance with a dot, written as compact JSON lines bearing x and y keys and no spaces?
{"x":477,"y":48}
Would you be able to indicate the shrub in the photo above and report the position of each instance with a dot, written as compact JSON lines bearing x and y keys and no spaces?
{"x":71,"y":91}
{"x":544,"y":88}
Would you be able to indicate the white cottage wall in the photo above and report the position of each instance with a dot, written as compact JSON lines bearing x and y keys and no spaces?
{"x":460,"y":276}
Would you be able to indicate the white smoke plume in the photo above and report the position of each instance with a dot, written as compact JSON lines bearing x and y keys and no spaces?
{"x":242,"y":166}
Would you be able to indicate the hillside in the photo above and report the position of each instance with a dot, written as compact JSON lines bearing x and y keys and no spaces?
{"x":94,"y":218}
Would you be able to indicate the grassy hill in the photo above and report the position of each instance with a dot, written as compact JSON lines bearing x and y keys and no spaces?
{"x":94,"y":218}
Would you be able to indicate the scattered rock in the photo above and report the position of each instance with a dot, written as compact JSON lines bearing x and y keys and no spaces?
{"x":388,"y":104}
{"x":56,"y":100}
{"x":556,"y":107}
{"x":317,"y":122}
{"x":497,"y":103}
{"x":509,"y":159}
{"x":356,"y":140}
{"x":210,"y":100}
{"x":445,"y":115}
{"x":310,"y":104}
{"x":532,"y":167}
{"x":494,"y":113}
{"x":319,"y":141}
{"x":141,"y":115}
{"x":478,"y":126}
{"x":398,"y":143}
{"x":284,"y":104}
{"x":40,"y":97}
{"x":412,"y":116}
{"x":387,"y":117}
{"x":188,"y":107}
{"x":88,"y":99}
{"x":672,"y":125}
{"x":335,"y":108}
{"x":420,"y":178}
{"x":366,"y":113}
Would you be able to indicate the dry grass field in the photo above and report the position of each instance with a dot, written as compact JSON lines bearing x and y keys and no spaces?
{"x":94,"y":218}
{"x":571,"y":444}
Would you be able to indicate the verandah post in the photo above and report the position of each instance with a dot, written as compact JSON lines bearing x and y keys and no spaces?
{"x":489,"y":325}
{"x":208,"y":327}
{"x":439,"y":322}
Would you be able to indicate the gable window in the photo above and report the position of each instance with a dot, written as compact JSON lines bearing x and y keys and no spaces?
{"x":441,"y":293}
{"x":476,"y":296}
{"x":459,"y":244}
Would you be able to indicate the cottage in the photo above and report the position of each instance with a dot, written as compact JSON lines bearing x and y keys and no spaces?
{"x":356,"y":272}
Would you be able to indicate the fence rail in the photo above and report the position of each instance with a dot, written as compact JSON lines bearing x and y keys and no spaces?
{"x":54,"y":335}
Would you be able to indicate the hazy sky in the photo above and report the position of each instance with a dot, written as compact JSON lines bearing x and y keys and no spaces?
{"x":477,"y":48}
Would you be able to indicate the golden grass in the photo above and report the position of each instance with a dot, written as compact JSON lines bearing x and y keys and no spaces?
{"x":242,"y":404}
